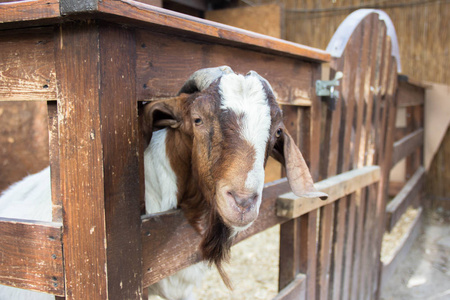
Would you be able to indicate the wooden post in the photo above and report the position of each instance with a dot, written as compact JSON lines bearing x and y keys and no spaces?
{"x":99,"y":163}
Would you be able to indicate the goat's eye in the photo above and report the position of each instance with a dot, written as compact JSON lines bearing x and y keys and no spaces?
{"x":278,"y":132}
{"x":198,"y":121}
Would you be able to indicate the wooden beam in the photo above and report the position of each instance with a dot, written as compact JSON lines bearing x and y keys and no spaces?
{"x":295,"y":290}
{"x":28,"y":10}
{"x":208,"y":30}
{"x":291,"y":206}
{"x":410,"y":94}
{"x":398,"y":205}
{"x":27,"y":67}
{"x":402,"y":249}
{"x":407,"y":145}
{"x":31,"y":255}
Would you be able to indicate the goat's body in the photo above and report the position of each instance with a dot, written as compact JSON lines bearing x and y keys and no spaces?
{"x":30,"y":199}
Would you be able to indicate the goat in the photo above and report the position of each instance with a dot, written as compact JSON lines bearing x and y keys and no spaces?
{"x":207,"y":152}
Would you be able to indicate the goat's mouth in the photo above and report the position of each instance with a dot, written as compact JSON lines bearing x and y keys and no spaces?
{"x":239,"y":211}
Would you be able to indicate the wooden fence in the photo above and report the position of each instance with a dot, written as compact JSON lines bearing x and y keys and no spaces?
{"x":328,"y":249}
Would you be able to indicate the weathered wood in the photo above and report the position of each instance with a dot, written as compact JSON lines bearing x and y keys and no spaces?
{"x":31,"y":255}
{"x":28,"y":10}
{"x":121,"y":143}
{"x":308,"y":251}
{"x":57,"y":211}
{"x":407,"y":145}
{"x":324,"y":250}
{"x":295,"y":290}
{"x":159,"y":57}
{"x":218,"y":33}
{"x":27,"y":67}
{"x":402,"y":249}
{"x":397,"y":206}
{"x":291,"y":206}
{"x":99,"y":162}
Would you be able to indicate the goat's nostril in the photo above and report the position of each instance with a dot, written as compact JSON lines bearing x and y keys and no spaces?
{"x":245,"y":201}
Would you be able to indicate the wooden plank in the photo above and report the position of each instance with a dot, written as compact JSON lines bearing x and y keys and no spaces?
{"x":27,"y":68}
{"x":31,"y":255}
{"x":407,"y":145}
{"x":121,"y":143}
{"x":402,"y":249}
{"x":397,"y":206}
{"x":165,"y":62}
{"x":295,"y":290}
{"x":216,"y":32}
{"x":28,"y":10}
{"x":97,"y":159}
{"x":81,"y":162}
{"x":349,"y":246}
{"x":57,"y":210}
{"x":291,"y":206}
{"x":308,"y":251}
{"x":164,"y":255}
{"x":324,"y":250}
{"x":410,"y":94}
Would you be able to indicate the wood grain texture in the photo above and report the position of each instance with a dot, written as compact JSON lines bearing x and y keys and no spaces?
{"x":27,"y":68}
{"x":31,"y":255}
{"x":57,"y":210}
{"x":28,"y":10}
{"x":81,"y":162}
{"x":165,"y":62}
{"x":291,"y":206}
{"x":216,"y":32}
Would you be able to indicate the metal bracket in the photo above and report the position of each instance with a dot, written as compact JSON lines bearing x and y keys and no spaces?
{"x":325,"y":88}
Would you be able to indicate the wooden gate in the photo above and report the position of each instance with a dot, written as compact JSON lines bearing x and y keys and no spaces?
{"x":334,"y":246}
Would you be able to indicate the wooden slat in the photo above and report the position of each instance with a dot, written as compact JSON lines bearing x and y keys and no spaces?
{"x":349,"y":246}
{"x":57,"y":211}
{"x":296,"y":290}
{"x":400,"y":203}
{"x":159,"y":57}
{"x":308,"y":251}
{"x":410,"y":94}
{"x":407,"y":145}
{"x":324,"y":250}
{"x":31,"y":255}
{"x":27,"y":68}
{"x":402,"y":248}
{"x":291,"y":206}
{"x":28,"y":10}
{"x":216,"y":32}
{"x":98,"y":156}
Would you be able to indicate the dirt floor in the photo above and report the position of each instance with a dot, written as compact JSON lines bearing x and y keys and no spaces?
{"x":425,"y":272}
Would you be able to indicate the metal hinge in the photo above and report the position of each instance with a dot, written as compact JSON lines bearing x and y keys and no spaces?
{"x":326,"y":88}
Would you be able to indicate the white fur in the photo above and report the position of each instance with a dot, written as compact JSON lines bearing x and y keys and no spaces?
{"x":245,"y":96}
{"x":160,"y":180}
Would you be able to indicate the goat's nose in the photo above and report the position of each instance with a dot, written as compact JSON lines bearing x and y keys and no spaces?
{"x":243,"y":201}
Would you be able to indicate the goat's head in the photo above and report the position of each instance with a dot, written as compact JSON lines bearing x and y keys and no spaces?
{"x":226,"y":126}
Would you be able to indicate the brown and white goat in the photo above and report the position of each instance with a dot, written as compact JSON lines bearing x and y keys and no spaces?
{"x":207,"y":153}
{"x":212,"y":143}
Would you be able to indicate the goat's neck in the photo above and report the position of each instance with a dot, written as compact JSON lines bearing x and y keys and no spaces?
{"x":167,"y":170}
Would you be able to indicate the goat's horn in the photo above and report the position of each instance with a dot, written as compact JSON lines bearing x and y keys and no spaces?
{"x":202,"y":78}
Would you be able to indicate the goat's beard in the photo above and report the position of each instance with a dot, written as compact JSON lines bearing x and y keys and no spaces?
{"x":201,"y":212}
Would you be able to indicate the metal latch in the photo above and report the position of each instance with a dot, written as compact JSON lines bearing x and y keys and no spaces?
{"x":325,"y":88}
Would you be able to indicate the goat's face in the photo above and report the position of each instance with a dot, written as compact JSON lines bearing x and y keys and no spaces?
{"x":232,"y":122}
{"x":229,"y":125}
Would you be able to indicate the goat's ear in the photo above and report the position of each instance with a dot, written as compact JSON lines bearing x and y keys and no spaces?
{"x":298,"y":175}
{"x":163,"y":113}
